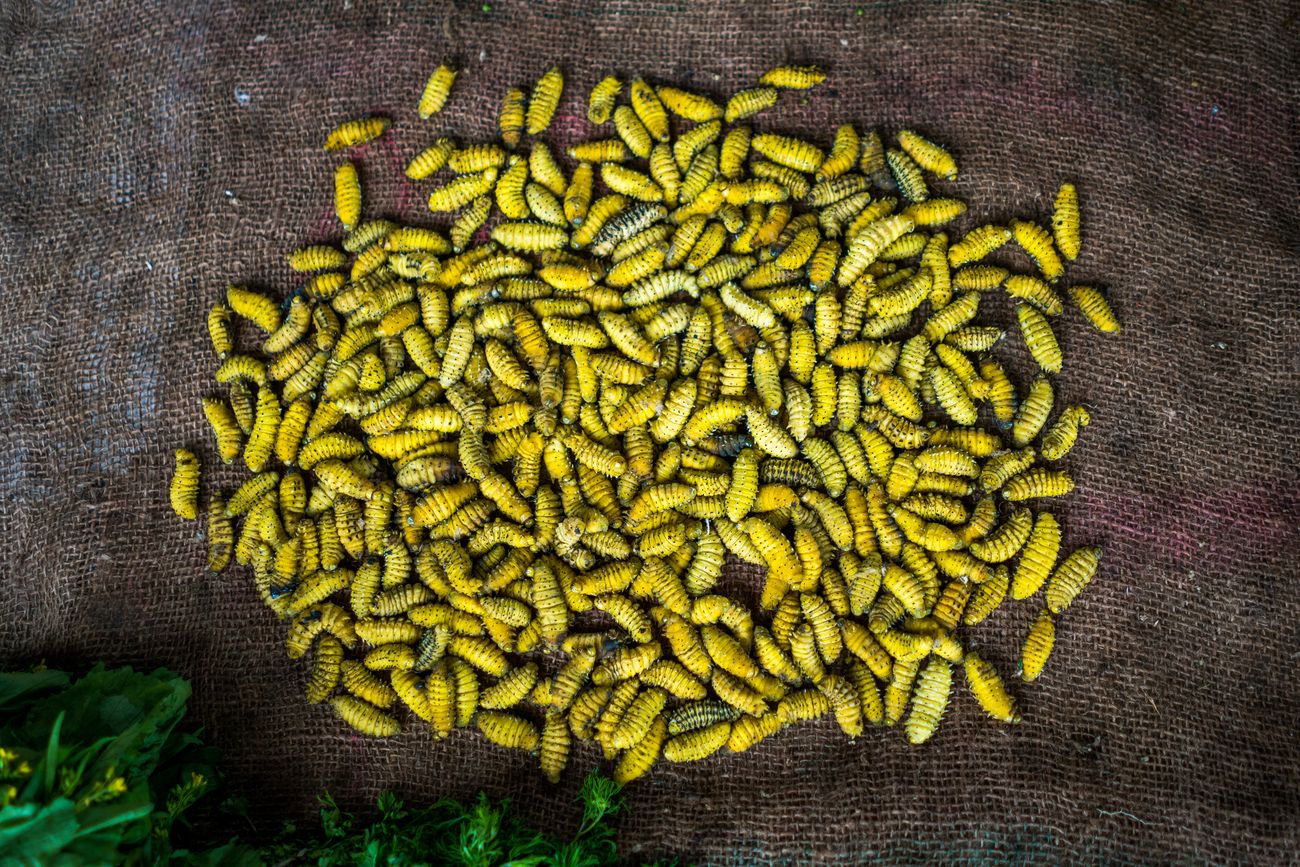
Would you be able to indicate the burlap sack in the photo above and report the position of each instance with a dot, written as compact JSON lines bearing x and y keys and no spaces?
{"x":151,"y":154}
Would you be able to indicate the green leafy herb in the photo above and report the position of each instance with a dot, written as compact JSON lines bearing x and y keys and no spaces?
{"x":97,"y":770}
{"x":482,"y":833}
{"x":93,"y":771}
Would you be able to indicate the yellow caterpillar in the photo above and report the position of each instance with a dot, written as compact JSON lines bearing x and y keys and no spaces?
{"x":928,"y":155}
{"x":347,"y":195}
{"x":436,"y":91}
{"x":1093,"y":304}
{"x":1065,"y":221}
{"x":544,"y":101}
{"x":989,"y":690}
{"x":185,"y":485}
{"x":356,"y":132}
{"x":793,"y":77}
{"x":600,"y":104}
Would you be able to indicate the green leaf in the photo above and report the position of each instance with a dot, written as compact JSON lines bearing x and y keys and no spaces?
{"x":29,"y":832}
{"x":19,"y":689}
{"x":334,"y":821}
{"x":232,"y":854}
{"x":106,"y":846}
{"x":140,"y":710}
{"x":389,"y":805}
{"x":132,"y":806}
{"x":51,"y":763}
{"x":479,"y":833}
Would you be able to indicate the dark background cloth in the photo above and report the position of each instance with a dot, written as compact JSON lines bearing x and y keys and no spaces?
{"x":150,"y":153}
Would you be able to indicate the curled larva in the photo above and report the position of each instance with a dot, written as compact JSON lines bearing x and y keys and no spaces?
{"x":1061,"y":436}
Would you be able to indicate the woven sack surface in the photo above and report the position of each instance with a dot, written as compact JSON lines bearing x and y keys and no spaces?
{"x":153,"y":154}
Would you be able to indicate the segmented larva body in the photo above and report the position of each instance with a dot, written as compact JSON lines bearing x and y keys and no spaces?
{"x":1007,"y":540}
{"x":977,"y":243}
{"x":988,"y":688}
{"x":555,"y":746}
{"x":649,"y":108}
{"x":1037,"y":482}
{"x":356,"y":132}
{"x":907,"y":175}
{"x":431,"y":159}
{"x":365,"y":717}
{"x":600,"y":103}
{"x":508,"y":730}
{"x":185,"y":485}
{"x":699,"y":744}
{"x":1061,"y":436}
{"x":436,"y":91}
{"x":326,"y":668}
{"x":690,"y":106}
{"x":1094,"y":306}
{"x":1037,"y":242}
{"x":1073,"y":574}
{"x":1037,"y":557}
{"x":1065,"y":221}
{"x":748,"y":103}
{"x":788,"y":151}
{"x":793,"y":77}
{"x":512,"y":117}
{"x":544,"y":101}
{"x":320,"y":257}
{"x":1039,"y":338}
{"x":1038,"y":647}
{"x":347,"y":195}
{"x":929,"y":700}
{"x":1034,"y":291}
{"x":928,"y":155}
{"x":262,"y":312}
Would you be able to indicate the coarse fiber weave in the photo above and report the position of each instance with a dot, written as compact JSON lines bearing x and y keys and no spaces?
{"x":150,"y":154}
